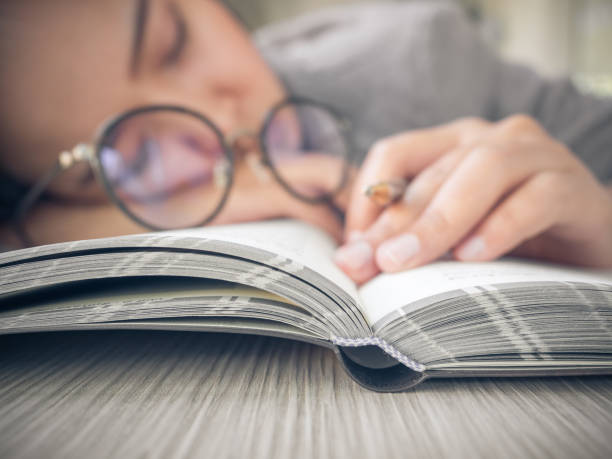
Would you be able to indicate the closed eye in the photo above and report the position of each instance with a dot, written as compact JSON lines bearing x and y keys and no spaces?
{"x":173,"y":55}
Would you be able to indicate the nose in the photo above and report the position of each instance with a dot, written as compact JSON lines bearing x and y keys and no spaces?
{"x":246,"y":145}
{"x":220,"y":107}
{"x":243,"y":142}
{"x":226,"y":112}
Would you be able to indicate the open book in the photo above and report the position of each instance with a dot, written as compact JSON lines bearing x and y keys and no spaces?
{"x":505,"y":318}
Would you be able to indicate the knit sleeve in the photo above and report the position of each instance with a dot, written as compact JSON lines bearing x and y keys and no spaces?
{"x":470,"y":79}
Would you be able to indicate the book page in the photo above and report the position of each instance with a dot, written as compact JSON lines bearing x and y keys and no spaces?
{"x":389,"y":292}
{"x":298,"y":241}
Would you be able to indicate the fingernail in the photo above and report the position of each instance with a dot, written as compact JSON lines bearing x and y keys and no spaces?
{"x":394,"y":254}
{"x":410,"y":195}
{"x":473,"y":249}
{"x":354,"y":236}
{"x":355,"y":256}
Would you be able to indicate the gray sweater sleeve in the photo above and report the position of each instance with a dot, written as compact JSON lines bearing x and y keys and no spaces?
{"x":462,"y":64}
{"x":393,"y":67}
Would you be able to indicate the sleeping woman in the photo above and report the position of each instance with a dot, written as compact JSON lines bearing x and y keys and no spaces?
{"x":122,"y":116}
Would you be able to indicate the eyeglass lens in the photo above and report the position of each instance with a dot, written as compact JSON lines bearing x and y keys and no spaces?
{"x":307,"y":149}
{"x":166,"y":168}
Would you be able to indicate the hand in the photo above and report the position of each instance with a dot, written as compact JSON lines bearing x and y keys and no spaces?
{"x":479,"y":190}
{"x":255,"y":195}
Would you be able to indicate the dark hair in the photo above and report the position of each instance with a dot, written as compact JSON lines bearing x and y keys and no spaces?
{"x":11,"y":191}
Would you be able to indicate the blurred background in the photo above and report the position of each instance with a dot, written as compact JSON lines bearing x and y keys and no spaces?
{"x":557,"y":37}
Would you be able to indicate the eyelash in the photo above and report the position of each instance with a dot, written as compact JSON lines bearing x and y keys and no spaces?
{"x":174,"y":54}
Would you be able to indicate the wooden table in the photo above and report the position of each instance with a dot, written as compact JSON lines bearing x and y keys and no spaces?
{"x":178,"y":395}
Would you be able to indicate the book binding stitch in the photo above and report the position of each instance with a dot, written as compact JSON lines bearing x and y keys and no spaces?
{"x":381,"y":343}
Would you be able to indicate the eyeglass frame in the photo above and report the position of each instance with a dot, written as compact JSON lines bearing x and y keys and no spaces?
{"x":90,"y":153}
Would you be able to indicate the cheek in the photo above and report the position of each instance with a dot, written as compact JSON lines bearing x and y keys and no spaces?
{"x":78,"y":184}
{"x":223,"y":73}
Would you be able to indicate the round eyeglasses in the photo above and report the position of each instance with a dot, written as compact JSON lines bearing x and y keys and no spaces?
{"x":169,"y":167}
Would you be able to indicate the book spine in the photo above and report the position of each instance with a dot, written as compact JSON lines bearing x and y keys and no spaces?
{"x":396,"y":378}
{"x":382,"y":344}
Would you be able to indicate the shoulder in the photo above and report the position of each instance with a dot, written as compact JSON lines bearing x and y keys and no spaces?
{"x":384,"y":65}
{"x":333,"y":36}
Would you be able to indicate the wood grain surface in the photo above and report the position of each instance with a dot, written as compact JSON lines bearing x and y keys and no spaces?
{"x":181,"y":395}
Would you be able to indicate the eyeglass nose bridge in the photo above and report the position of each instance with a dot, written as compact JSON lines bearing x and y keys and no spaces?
{"x":246,"y":144}
{"x":243,"y":141}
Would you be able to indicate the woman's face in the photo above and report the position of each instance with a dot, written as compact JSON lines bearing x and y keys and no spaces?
{"x":82,"y":61}
{"x":75,"y":63}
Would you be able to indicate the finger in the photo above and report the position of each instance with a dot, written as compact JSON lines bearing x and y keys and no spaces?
{"x":403,"y":156}
{"x":268,"y":201}
{"x":482,"y":179}
{"x":399,"y":217}
{"x":357,"y":261}
{"x":529,"y":211}
{"x":396,"y":218}
{"x":356,"y":258}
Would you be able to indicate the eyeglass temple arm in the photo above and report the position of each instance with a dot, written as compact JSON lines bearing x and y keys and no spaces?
{"x":65,"y":161}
